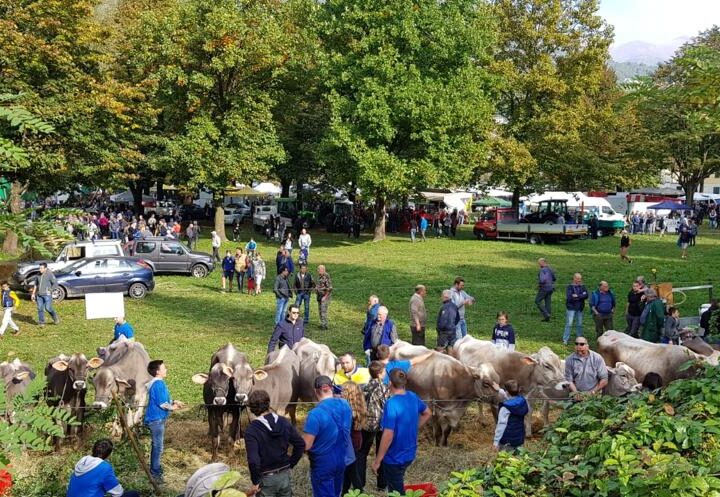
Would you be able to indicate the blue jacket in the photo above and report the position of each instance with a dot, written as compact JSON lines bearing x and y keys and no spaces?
{"x":604,"y":303}
{"x":546,"y":279}
{"x":370,"y":317}
{"x":448,"y":317}
{"x":387,"y":337}
{"x":124,"y":329}
{"x":159,"y":403}
{"x":228,"y":263}
{"x":510,"y":428}
{"x":575,"y":303}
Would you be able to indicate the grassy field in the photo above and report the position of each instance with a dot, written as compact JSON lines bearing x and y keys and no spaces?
{"x":185,"y":319}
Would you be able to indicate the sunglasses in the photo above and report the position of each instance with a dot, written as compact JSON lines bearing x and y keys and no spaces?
{"x":580,"y":343}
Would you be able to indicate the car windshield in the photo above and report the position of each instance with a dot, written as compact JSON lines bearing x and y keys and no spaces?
{"x":70,"y":268}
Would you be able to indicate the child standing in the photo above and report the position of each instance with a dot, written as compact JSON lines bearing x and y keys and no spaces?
{"x":625,"y":247}
{"x":510,"y":429}
{"x":158,"y":409}
{"x":503,"y":336}
{"x":228,"y":268}
{"x":10,"y":303}
{"x":671,"y":331}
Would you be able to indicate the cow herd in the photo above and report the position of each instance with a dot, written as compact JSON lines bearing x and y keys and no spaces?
{"x":447,"y":382}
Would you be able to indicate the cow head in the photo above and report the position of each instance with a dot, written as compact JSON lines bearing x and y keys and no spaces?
{"x":622,"y":380}
{"x":243,"y":379}
{"x":15,"y":372}
{"x":484,"y":376}
{"x":76,"y":367}
{"x":548,"y":372}
{"x":218,"y":380}
{"x":106,"y":384}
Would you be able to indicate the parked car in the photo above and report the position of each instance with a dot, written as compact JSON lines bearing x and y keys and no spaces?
{"x":191,"y":212}
{"x":239,"y":211}
{"x":165,"y":208}
{"x":171,"y":256}
{"x":128,"y":275}
{"x":71,"y":253}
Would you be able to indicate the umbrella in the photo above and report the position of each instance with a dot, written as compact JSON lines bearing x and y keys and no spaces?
{"x":491,"y":202}
{"x":670,"y":205}
{"x":245,"y":191}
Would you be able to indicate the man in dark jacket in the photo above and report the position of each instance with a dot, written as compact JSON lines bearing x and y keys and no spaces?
{"x":267,"y":440}
{"x":289,"y":331}
{"x":282,"y":292}
{"x":705,"y":317}
{"x":546,"y":287}
{"x":575,"y":296}
{"x":304,"y":284}
{"x":602,"y":303}
{"x":447,"y":320}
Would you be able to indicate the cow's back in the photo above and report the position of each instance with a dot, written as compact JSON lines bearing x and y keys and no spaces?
{"x":282,"y":378}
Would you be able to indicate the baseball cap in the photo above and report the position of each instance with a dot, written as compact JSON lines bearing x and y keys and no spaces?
{"x":323,"y":381}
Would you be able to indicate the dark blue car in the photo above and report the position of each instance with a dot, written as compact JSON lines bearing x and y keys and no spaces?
{"x":129,"y":275}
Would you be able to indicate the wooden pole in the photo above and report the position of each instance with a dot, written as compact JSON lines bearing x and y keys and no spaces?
{"x":135,"y":446}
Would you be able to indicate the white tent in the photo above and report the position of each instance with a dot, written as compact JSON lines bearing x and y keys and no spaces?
{"x":457,"y":200}
{"x":127,"y":196}
{"x":267,"y":188}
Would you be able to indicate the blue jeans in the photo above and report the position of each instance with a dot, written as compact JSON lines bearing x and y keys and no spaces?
{"x":394,"y":475}
{"x":44,"y":303}
{"x":327,"y":478}
{"x":569,"y":317}
{"x":280,"y":305}
{"x":304,"y":298}
{"x":544,"y":297}
{"x":461,"y":328}
{"x":157,"y":431}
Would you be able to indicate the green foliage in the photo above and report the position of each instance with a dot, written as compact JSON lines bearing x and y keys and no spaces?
{"x":663,"y":444}
{"x":20,"y":121}
{"x":42,"y":235}
{"x":409,"y":493}
{"x":29,"y":424}
{"x":680,"y":107}
{"x":409,"y":92}
{"x":224,"y":485}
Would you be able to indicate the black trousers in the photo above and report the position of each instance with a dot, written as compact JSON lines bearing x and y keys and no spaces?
{"x":368,"y":437}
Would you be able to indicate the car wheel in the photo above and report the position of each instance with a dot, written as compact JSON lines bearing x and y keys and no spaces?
{"x":137,"y":291}
{"x":199,"y":271}
{"x":535,"y":239}
{"x":480,"y":235}
{"x":59,"y":294}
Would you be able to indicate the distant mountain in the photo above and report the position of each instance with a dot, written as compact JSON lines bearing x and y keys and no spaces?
{"x":646,"y":53}
{"x":626,"y":71}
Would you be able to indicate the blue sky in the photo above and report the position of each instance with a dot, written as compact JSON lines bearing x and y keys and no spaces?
{"x":659,"y":21}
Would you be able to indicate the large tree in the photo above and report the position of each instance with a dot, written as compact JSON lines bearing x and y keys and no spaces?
{"x":215,"y":62}
{"x":409,"y":93}
{"x":552,"y":55}
{"x":680,"y":107}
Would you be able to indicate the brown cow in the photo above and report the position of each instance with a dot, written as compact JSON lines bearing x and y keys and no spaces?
{"x":316,"y":360}
{"x":645,"y":357}
{"x":279,"y":378}
{"x":446,"y":385}
{"x":16,"y":376}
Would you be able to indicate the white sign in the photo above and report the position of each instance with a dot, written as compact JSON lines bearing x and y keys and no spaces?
{"x":104,"y":305}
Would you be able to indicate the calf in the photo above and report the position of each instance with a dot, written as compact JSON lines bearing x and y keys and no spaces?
{"x":225,"y":390}
{"x":446,"y":385}
{"x":644,"y":357}
{"x":67,"y":385}
{"x":621,"y":381}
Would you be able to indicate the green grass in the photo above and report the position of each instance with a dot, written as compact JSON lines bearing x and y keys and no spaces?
{"x":185,"y":319}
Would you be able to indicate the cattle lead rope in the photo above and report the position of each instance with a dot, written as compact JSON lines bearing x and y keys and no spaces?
{"x":134,"y":444}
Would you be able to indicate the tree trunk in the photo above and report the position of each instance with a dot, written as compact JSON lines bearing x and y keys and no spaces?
{"x":689,"y":187}
{"x":137,"y":193}
{"x":10,"y":245}
{"x":285,"y":187}
{"x":220,"y":222}
{"x":516,"y":198}
{"x":379,"y":233}
{"x":160,"y":190}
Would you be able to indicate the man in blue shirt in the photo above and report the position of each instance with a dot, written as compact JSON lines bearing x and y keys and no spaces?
{"x":158,"y":409}
{"x":93,"y":476}
{"x":403,"y":416}
{"x":327,"y":440}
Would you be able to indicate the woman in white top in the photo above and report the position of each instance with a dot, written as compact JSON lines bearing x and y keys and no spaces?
{"x":288,"y":244}
{"x":304,"y":241}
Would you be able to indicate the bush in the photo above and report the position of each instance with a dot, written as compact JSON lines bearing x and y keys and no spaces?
{"x":662,"y":444}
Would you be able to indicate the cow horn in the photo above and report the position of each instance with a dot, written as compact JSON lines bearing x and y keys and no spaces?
{"x":95,"y":363}
{"x":199,"y":378}
{"x":60,"y":365}
{"x":260,"y":375}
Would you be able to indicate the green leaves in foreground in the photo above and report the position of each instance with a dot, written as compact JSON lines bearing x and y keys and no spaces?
{"x":663,"y":444}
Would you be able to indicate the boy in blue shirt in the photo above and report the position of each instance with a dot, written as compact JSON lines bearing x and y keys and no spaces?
{"x":93,"y":476}
{"x":510,"y":429}
{"x":403,"y":416}
{"x":228,"y":268}
{"x":158,"y":409}
{"x":122,"y":327}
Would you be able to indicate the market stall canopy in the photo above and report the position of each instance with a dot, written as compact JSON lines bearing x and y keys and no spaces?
{"x":267,"y":189}
{"x":669,"y":205}
{"x":491,"y":202}
{"x":127,"y":196}
{"x":244,"y":191}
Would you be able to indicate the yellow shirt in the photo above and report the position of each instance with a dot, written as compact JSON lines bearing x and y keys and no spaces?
{"x":361,"y":376}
